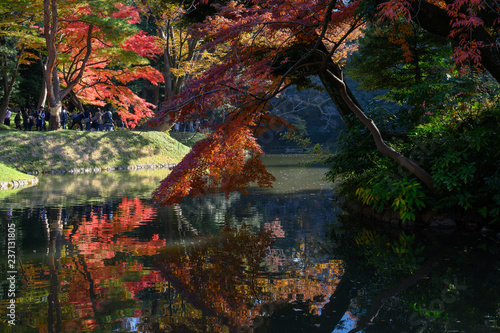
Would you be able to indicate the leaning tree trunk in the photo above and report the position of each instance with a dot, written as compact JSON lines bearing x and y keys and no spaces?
{"x":415,"y":169}
{"x":73,"y":98}
{"x":335,"y":93}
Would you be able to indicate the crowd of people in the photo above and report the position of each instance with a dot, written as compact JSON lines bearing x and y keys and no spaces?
{"x":88,"y":120}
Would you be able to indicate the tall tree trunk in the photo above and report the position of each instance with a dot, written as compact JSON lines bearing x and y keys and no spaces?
{"x":43,"y":93}
{"x":43,"y":96}
{"x":51,"y":74}
{"x":51,"y":78}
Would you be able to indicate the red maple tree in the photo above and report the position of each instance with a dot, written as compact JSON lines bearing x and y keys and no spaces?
{"x":270,"y":45}
{"x":93,"y":52}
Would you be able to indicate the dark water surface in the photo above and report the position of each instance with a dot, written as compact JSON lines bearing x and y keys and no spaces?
{"x":92,"y":253}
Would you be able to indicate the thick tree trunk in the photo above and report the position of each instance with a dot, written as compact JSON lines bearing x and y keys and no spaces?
{"x":55,"y":120}
{"x":51,"y":78}
{"x":331,"y":88}
{"x":336,"y":95}
{"x":76,"y":101}
{"x":382,"y":147}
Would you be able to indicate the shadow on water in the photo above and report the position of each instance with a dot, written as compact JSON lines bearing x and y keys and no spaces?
{"x":94,"y":254}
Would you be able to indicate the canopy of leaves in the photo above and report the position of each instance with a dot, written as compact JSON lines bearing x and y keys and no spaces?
{"x":119,"y":54}
{"x":257,"y":35}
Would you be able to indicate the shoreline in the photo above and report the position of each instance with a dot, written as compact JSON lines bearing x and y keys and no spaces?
{"x":22,"y":183}
{"x":28,"y":154}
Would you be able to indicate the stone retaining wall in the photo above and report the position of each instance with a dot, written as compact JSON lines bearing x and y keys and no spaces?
{"x":18,"y":184}
{"x":76,"y":171}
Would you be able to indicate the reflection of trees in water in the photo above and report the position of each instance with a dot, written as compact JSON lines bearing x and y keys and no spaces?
{"x":95,"y":270}
{"x":91,"y":268}
{"x":395,"y":287}
{"x":254,"y":209}
{"x":222,"y":276}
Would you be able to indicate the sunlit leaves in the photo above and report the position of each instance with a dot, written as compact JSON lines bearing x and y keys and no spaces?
{"x":228,"y":160}
{"x":119,"y":54}
{"x":255,"y":37}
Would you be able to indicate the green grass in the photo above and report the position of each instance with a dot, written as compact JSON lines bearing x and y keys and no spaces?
{"x":5,"y":128}
{"x":188,"y":139}
{"x":8,"y":174}
{"x":64,"y":149}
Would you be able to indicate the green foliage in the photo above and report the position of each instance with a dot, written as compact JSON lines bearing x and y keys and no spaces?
{"x":457,"y":142}
{"x":448,"y":124}
{"x":404,"y":196}
{"x":380,"y":64}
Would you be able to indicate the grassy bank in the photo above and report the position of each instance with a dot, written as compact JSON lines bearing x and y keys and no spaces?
{"x":187,"y":138}
{"x":64,"y":149}
{"x":8,"y":174}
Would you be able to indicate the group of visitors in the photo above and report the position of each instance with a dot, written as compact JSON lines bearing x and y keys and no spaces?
{"x":96,"y":121}
{"x":27,"y":118}
{"x":191,"y":126}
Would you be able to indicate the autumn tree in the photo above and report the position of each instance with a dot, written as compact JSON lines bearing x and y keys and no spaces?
{"x":121,"y":54}
{"x":471,"y":25}
{"x":93,"y":52}
{"x":273,"y":45}
{"x":182,"y":57}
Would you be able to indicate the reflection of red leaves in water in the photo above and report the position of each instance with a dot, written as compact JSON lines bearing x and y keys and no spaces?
{"x":222,"y":276}
{"x":215,"y":280}
{"x":275,"y":228}
{"x":99,"y":239}
{"x":95,"y":274}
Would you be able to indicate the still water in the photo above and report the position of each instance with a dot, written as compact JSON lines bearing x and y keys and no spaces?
{"x":92,"y":253}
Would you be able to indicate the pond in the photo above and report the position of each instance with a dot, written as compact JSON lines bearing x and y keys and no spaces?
{"x":92,"y":253}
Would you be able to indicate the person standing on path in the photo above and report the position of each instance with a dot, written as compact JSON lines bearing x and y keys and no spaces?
{"x":77,"y":120}
{"x":87,"y":118}
{"x":64,"y":117}
{"x":17,"y":120}
{"x":7,"y":118}
{"x":40,"y":119}
{"x":98,"y":119}
{"x":31,"y":120}
{"x":25,"y":119}
{"x":107,"y":120}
